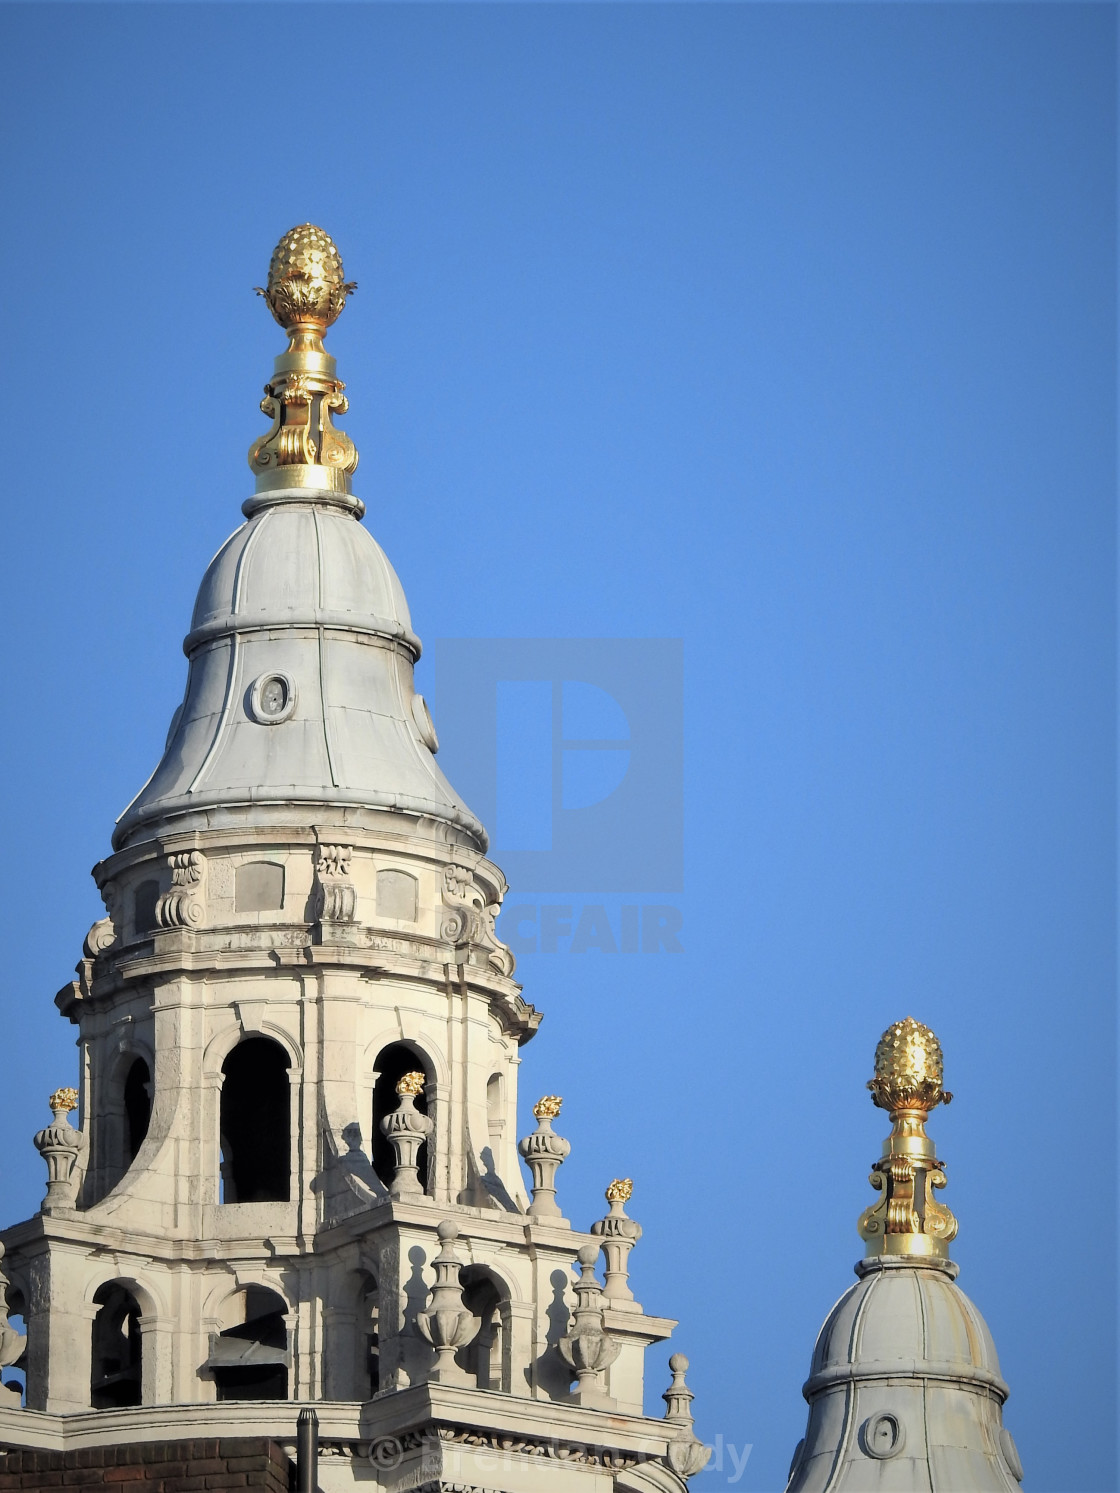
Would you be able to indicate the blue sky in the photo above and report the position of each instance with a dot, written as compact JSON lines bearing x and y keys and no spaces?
{"x":788,"y":331}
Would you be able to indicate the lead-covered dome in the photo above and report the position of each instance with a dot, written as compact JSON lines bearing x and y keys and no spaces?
{"x":905,"y":1319}
{"x":301,"y":563}
{"x":300,"y":686}
{"x":905,"y":1393}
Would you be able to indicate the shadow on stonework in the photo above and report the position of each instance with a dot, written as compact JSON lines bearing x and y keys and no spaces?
{"x":492,"y":1186}
{"x":549,"y":1370}
{"x":347,"y":1183}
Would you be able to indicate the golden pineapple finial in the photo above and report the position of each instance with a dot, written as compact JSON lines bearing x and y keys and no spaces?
{"x":909,"y":1068}
{"x":908,"y":1083}
{"x":306,"y":287}
{"x":306,"y":292}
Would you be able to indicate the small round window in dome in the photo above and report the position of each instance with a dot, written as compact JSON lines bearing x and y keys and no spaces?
{"x":424,"y":723}
{"x":272,"y":699}
{"x":1010,"y":1454}
{"x":881,"y":1436}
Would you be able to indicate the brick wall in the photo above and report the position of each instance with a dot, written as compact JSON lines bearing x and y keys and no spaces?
{"x":153,"y":1467}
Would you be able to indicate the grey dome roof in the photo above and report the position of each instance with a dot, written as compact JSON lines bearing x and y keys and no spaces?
{"x":905,"y":1320}
{"x":905,"y":1392}
{"x":301,"y":594}
{"x":301,"y":564}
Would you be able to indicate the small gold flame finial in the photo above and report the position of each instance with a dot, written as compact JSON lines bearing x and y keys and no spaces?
{"x":305,"y":293}
{"x":621,"y":1190}
{"x":548,"y":1107}
{"x":411,"y":1083}
{"x":62,"y":1101}
{"x":908,"y":1083}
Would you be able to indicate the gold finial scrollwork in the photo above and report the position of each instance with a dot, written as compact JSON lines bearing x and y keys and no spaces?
{"x":306,"y":293}
{"x":411,"y":1083}
{"x":621,"y":1190}
{"x":548,"y":1107}
{"x":62,"y":1101}
{"x":906,"y":1219}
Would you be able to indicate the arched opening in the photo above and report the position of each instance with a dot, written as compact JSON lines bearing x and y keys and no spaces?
{"x":258,"y":887}
{"x":137,"y":1108}
{"x":392,"y":1064}
{"x":256,"y":1124}
{"x":13,"y":1326}
{"x":249,"y":1361}
{"x":116,"y":1376}
{"x":483,"y":1358}
{"x":144,"y":900}
{"x":369,"y":1356}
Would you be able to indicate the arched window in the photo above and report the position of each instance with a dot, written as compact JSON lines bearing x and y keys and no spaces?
{"x":391,"y":1066}
{"x":494,"y":1112}
{"x":137,"y":1108}
{"x":258,"y":887}
{"x":116,"y":1377}
{"x":484,"y":1356}
{"x":255,"y":1124}
{"x":249,"y":1361}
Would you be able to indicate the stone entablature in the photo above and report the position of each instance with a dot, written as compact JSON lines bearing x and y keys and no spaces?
{"x":434,"y":1437}
{"x":440,"y":893}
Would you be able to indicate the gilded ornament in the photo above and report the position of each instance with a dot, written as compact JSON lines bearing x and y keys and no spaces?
{"x":548,"y":1107}
{"x":621,"y":1190}
{"x":411,"y":1083}
{"x":62,"y":1101}
{"x":907,"y":1220}
{"x":908,"y":1068}
{"x":305,"y":279}
{"x":306,"y":292}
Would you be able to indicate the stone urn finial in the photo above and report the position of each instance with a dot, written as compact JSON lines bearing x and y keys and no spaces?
{"x":59,"y":1145}
{"x":588,"y":1349}
{"x":406,"y":1130}
{"x":686,"y":1455}
{"x":447,"y":1324}
{"x":618,"y":1235}
{"x":543,"y":1153}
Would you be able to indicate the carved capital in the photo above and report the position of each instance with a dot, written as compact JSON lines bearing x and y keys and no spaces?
{"x":184,"y":906}
{"x":469,"y":918}
{"x":333,"y":898}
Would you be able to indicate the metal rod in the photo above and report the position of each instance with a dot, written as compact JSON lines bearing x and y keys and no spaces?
{"x":307,"y":1452}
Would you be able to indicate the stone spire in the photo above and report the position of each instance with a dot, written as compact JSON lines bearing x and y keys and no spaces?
{"x":905,"y":1371}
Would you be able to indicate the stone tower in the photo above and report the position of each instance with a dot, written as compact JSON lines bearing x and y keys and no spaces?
{"x":904,"y":1393}
{"x":296,"y":1177}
